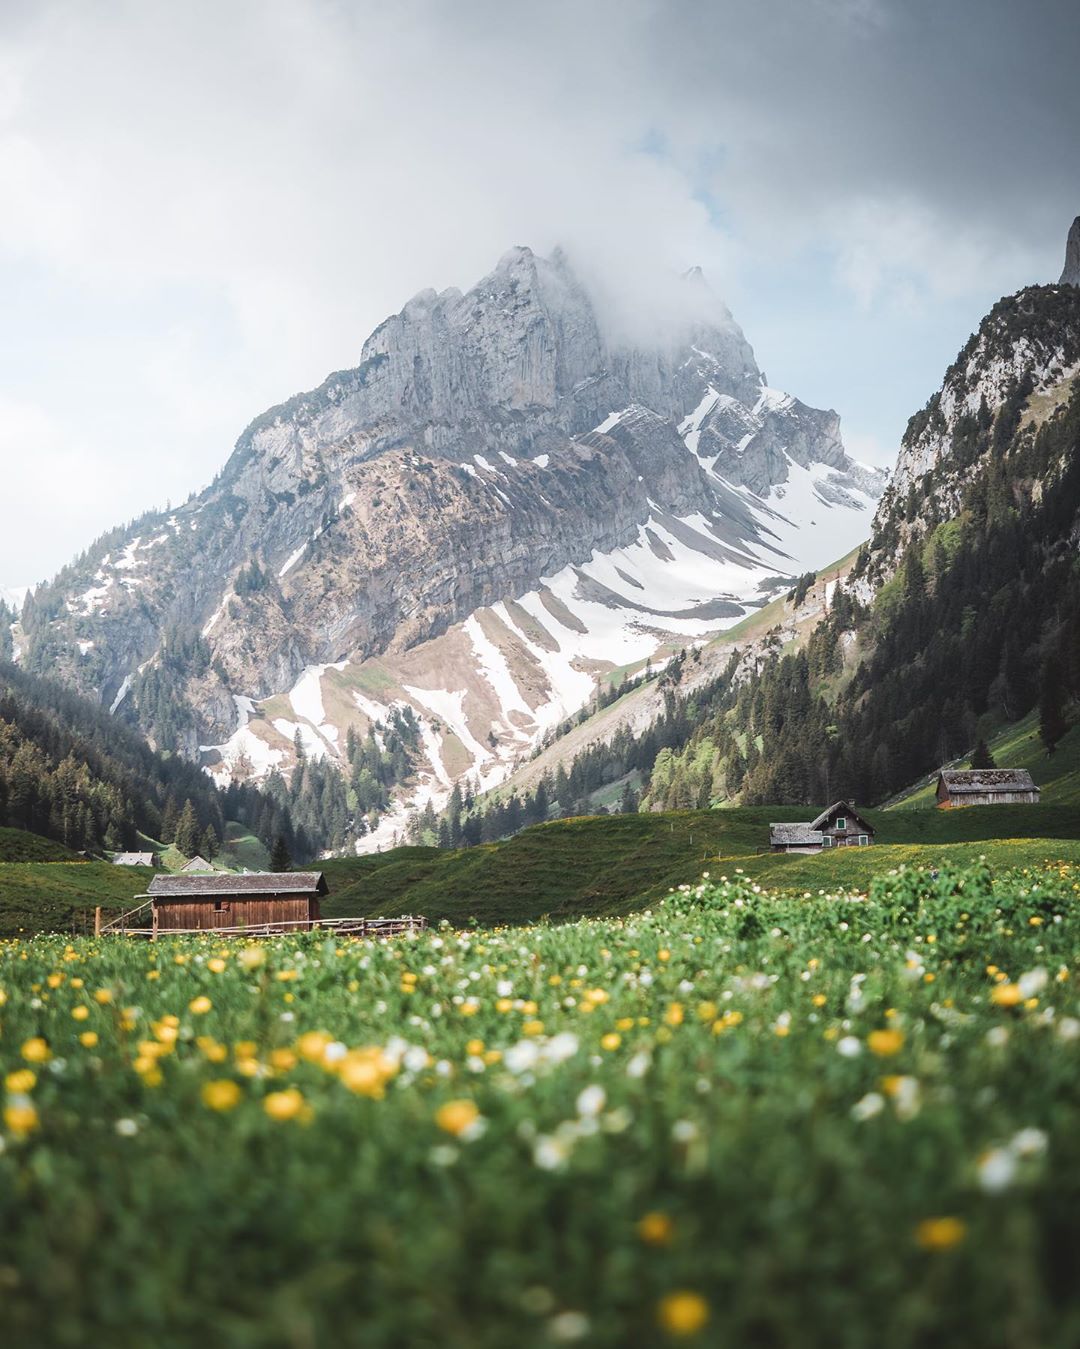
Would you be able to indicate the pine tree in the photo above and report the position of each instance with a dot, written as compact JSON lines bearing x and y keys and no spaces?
{"x":1052,"y":724}
{"x":209,"y":847}
{"x":187,"y":831}
{"x":279,"y":855}
{"x":982,"y":758}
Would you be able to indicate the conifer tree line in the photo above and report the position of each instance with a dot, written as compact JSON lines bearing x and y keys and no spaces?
{"x":72,"y":772}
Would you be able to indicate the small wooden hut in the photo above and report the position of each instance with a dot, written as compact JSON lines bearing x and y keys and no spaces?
{"x":209,"y":901}
{"x":841,"y":826}
{"x":985,"y":787}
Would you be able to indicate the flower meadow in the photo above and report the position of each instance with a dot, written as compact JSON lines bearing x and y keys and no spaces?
{"x":740,"y":1118}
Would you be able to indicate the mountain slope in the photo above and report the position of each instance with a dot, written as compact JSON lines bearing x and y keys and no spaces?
{"x":962,"y":612}
{"x":503,"y":501}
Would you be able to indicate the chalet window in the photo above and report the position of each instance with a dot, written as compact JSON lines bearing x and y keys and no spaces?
{"x":221,"y":906}
{"x":841,"y":822}
{"x":827,"y":841}
{"x":864,"y":840}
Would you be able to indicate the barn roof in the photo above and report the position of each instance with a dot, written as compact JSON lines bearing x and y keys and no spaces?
{"x":211,"y":884}
{"x":794,"y":834}
{"x":133,"y":859}
{"x":982,"y":780}
{"x":841,"y":808}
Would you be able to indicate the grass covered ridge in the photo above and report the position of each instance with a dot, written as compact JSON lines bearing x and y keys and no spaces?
{"x":740,"y":1118}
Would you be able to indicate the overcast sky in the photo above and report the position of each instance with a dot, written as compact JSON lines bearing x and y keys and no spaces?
{"x":206,"y":206}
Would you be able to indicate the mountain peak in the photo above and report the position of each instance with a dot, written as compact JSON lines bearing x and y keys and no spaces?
{"x":1070,"y":275}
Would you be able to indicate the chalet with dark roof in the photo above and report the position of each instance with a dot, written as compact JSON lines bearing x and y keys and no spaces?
{"x":211,"y":901}
{"x":985,"y":787}
{"x":841,"y":826}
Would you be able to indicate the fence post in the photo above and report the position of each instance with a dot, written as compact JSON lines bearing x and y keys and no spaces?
{"x":97,"y":920}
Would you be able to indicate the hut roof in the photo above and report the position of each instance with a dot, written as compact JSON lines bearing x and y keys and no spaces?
{"x":841,"y":808}
{"x":133,"y":859}
{"x":197,"y":863}
{"x":983,"y":780}
{"x":794,"y":834}
{"x":211,"y":884}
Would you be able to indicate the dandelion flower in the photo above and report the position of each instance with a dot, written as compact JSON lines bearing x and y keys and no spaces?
{"x":200,"y":1005}
{"x":36,"y":1050}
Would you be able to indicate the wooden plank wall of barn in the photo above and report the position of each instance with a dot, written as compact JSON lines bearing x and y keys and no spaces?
{"x":244,"y":909}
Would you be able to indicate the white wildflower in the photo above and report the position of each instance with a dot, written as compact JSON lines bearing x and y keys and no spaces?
{"x":591,"y":1100}
{"x":850,"y":1046}
{"x":996,"y":1170}
{"x":873,"y":1103}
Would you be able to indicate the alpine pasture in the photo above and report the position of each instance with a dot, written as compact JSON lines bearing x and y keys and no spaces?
{"x":834,"y":1117}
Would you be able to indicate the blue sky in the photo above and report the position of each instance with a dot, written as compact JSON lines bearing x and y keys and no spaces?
{"x":207,"y":207}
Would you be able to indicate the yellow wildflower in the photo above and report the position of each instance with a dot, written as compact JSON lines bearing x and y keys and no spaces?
{"x":36,"y":1050}
{"x":655,"y":1229}
{"x":940,"y":1234}
{"x":885,"y":1043}
{"x":284,"y":1105}
{"x":610,"y":1041}
{"x":674,"y":1014}
{"x":88,"y":1039}
{"x":20,"y":1116}
{"x":20,"y":1081}
{"x":682,"y":1313}
{"x":216,"y":965}
{"x":221,"y":1094}
{"x":80,"y":1012}
{"x":103,"y":996}
{"x":1006,"y":995}
{"x":200,"y":1005}
{"x":455,"y":1117}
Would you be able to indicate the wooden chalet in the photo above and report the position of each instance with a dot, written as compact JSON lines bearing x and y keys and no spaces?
{"x":212,"y":901}
{"x":985,"y":787}
{"x":841,"y":826}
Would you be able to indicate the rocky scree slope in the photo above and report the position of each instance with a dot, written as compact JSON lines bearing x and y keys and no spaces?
{"x":500,"y":502}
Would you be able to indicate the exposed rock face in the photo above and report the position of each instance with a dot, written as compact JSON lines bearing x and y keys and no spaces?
{"x":489,"y":447}
{"x":1070,"y":275}
{"x":1019,"y":367}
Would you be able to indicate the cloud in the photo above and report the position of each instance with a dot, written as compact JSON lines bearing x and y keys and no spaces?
{"x":208,"y":207}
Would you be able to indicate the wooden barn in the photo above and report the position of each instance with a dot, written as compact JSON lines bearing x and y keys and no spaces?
{"x":211,"y":901}
{"x":841,"y":826}
{"x":985,"y":787}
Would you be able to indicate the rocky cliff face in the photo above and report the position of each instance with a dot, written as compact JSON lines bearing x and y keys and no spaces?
{"x":1014,"y":373}
{"x":1070,"y":273}
{"x":501,"y":497}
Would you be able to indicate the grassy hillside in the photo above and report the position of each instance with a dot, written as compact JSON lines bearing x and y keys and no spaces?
{"x":1018,"y":746}
{"x":18,"y":845}
{"x":610,"y":864}
{"x":61,"y":896}
{"x":594,"y":865}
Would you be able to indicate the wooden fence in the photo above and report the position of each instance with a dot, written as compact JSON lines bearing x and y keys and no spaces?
{"x":138,"y":922}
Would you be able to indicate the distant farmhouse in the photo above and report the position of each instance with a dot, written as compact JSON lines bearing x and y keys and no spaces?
{"x":841,"y":826}
{"x":133,"y":859}
{"x":197,"y":863}
{"x":985,"y":787}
